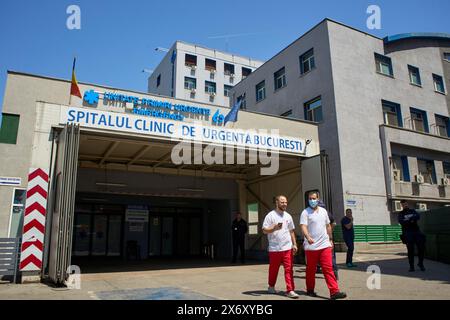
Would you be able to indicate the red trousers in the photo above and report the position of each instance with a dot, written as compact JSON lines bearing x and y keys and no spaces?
{"x":275,"y":260}
{"x":324,"y":256}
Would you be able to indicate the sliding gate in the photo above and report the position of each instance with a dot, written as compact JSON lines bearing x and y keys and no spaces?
{"x":63,"y":186}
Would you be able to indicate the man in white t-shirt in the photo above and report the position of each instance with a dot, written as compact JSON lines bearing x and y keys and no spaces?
{"x":318,"y":244}
{"x":279,"y":227}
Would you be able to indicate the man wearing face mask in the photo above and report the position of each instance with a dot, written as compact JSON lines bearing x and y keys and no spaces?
{"x":318,"y":244}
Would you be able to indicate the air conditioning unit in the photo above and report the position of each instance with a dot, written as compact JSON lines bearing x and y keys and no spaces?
{"x":419,"y":178}
{"x":397,"y":206}
{"x":421,"y":206}
{"x":396,"y":174}
{"x":446,"y":181}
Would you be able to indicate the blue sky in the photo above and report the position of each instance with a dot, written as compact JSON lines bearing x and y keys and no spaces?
{"x":117,"y":38}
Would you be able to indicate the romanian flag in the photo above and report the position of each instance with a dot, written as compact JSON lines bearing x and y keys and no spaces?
{"x":74,"y":89}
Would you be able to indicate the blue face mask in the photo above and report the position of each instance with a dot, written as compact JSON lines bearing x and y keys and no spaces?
{"x":313,"y":203}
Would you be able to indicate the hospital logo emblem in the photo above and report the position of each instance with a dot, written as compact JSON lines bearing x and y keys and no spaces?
{"x":91,"y":97}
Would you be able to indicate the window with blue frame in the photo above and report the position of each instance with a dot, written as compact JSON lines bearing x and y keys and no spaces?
{"x":313,"y":110}
{"x":384,"y":65}
{"x":446,"y":166}
{"x":427,"y":170}
{"x":260,"y":89}
{"x":438,"y":83}
{"x":392,"y":114}
{"x":401,"y":168}
{"x":419,"y":121}
{"x":442,"y":126}
{"x":414,"y":75}
{"x":307,"y":61}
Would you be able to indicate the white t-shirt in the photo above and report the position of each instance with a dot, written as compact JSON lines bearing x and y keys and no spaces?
{"x":316,"y":222}
{"x":279,"y":240}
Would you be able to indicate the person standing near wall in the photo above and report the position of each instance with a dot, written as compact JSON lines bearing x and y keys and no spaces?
{"x":317,"y":232}
{"x":348,"y":234}
{"x":279,"y":227}
{"x":239,"y":228}
{"x":411,"y":234}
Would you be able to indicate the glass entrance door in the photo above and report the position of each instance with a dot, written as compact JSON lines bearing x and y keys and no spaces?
{"x":82,"y":232}
{"x":99,"y":235}
{"x":167,"y":236}
{"x":114,"y":235}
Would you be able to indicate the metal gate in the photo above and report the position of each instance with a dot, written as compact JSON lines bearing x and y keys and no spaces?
{"x":316,"y":176}
{"x":64,"y":185}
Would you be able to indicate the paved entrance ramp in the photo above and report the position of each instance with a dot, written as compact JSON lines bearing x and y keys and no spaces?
{"x":166,"y":293}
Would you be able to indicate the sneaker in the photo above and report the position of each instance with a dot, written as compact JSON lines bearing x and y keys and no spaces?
{"x":272,"y":290}
{"x":311,"y":293}
{"x":338,"y":295}
{"x":421,"y":266}
{"x":411,"y":270}
{"x":292,"y":294}
{"x":351,"y":265}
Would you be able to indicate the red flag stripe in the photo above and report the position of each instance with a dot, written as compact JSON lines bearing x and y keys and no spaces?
{"x":36,"y":243}
{"x":38,"y":173}
{"x":35,"y":206}
{"x":33,"y":224}
{"x":37,"y":189}
{"x":31,"y":259}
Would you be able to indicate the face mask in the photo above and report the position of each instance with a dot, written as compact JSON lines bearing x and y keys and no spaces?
{"x":313,"y":203}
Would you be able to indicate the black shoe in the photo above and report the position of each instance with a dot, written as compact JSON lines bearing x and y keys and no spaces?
{"x":311,"y":293}
{"x":421,"y":266}
{"x":338,"y":295}
{"x":411,"y":270}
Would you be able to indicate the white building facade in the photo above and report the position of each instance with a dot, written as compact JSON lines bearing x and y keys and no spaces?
{"x":383,"y":111}
{"x":196,"y":73}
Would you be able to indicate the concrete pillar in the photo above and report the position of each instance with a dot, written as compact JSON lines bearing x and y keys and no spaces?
{"x":439,"y":168}
{"x":413,"y":167}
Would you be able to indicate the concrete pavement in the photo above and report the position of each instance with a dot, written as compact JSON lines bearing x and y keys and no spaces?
{"x":248,"y":282}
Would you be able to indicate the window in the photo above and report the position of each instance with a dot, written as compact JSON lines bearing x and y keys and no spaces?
{"x":210,"y":87}
{"x":280,"y":78}
{"x":392,"y":114}
{"x":426,"y":169}
{"x":446,"y":166}
{"x":419,"y":120}
{"x":244,"y":102}
{"x":401,"y":163}
{"x":287,"y":113}
{"x":253,"y":218}
{"x":17,"y":212}
{"x":261,"y":91}
{"x":190,"y":83}
{"x":414,"y":75}
{"x":158,"y":81}
{"x":313,"y":110}
{"x":442,"y":126}
{"x":447,"y":56}
{"x":190,"y":60}
{"x":438,"y":83}
{"x":226,"y":90}
{"x":9,"y":128}
{"x":384,"y":65}
{"x":246,"y":72}
{"x":210,"y":65}
{"x":307,"y":62}
{"x":228,"y":69}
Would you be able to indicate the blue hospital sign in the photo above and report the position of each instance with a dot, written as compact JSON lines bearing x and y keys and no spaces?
{"x":176,"y":130}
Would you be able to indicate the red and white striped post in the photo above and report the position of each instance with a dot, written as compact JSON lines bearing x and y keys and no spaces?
{"x":34,"y":220}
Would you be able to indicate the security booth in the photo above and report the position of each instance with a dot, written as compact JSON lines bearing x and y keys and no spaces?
{"x":127,"y":176}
